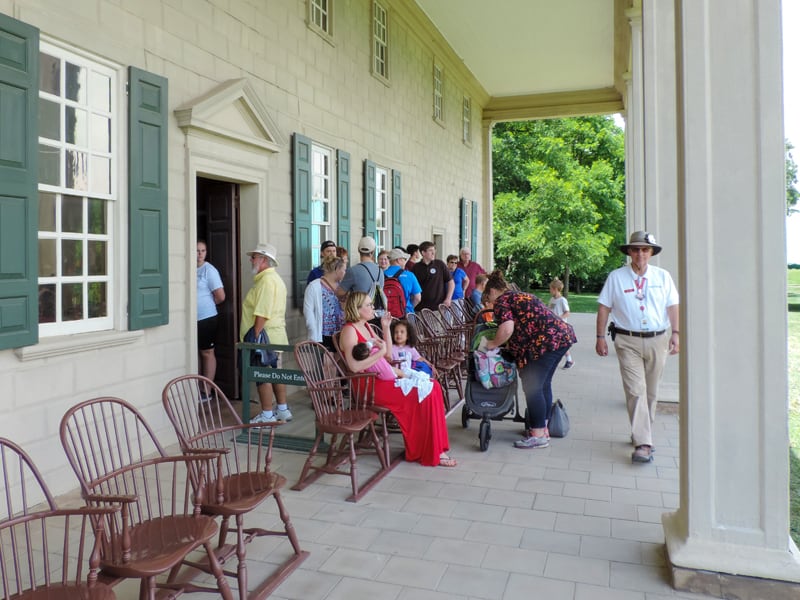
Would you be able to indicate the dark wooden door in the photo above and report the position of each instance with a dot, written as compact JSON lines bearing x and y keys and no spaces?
{"x":218,"y":224}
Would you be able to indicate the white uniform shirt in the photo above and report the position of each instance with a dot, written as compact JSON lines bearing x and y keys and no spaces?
{"x":208,"y":280}
{"x":620,"y":295}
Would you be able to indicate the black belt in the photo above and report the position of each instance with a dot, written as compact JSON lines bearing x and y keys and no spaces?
{"x":639,"y":334}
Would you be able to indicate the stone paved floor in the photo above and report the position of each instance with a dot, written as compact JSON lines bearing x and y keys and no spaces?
{"x":574,"y":521}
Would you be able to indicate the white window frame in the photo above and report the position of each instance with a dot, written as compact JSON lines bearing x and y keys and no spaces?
{"x":320,"y":18}
{"x":383,"y":208}
{"x":323,"y":192}
{"x":466,"y":120}
{"x":438,"y":93}
{"x":111,"y":197}
{"x":380,"y":41}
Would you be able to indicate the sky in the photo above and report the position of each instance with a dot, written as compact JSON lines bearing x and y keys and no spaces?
{"x":791,"y":109}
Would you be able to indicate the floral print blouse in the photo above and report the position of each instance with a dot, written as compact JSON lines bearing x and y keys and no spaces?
{"x":536,"y":329}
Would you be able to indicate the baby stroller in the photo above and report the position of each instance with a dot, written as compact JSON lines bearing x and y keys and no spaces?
{"x":486,"y":404}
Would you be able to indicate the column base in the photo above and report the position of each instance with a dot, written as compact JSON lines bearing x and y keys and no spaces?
{"x":727,"y":570}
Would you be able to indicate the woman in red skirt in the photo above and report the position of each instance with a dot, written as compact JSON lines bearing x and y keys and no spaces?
{"x":422,"y":423}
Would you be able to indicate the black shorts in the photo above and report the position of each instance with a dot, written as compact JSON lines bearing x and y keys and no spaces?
{"x":206,"y":333}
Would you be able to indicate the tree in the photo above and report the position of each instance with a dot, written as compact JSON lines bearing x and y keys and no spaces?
{"x":559,"y":204}
{"x":792,"y":195}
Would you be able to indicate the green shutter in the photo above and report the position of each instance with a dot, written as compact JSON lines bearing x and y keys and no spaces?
{"x":19,"y":199}
{"x":370,"y":227}
{"x":148,"y":296}
{"x":397,"y":209}
{"x":463,"y":222}
{"x":473,"y":240}
{"x":343,"y":199}
{"x":301,"y":200}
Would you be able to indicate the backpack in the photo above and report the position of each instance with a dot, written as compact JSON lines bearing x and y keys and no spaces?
{"x":395,"y":296}
{"x":375,"y":292}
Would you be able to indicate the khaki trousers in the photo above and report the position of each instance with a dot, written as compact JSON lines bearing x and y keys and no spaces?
{"x":641,"y":363}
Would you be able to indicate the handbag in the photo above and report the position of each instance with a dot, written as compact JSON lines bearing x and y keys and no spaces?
{"x":558,"y":422}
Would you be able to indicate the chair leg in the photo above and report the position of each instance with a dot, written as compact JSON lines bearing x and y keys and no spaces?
{"x":241,"y":555}
{"x":382,"y":452}
{"x":223,"y":531}
{"x":216,"y":569}
{"x":353,"y":467}
{"x":307,"y":465}
{"x":287,"y":523}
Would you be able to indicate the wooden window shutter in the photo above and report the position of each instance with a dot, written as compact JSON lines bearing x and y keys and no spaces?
{"x":397,"y":209}
{"x":343,"y":199}
{"x":473,"y":240}
{"x":19,"y":198}
{"x":301,"y":201}
{"x":370,"y":227}
{"x":148,"y":294}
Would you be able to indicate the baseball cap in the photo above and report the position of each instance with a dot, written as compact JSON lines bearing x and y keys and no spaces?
{"x":396,"y":253}
{"x":328,"y":244}
{"x":366,"y":245}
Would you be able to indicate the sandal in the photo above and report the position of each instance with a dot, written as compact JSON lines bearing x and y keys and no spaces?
{"x":446,"y":461}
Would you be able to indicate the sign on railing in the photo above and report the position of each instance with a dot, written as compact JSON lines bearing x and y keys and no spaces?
{"x":259,"y":374}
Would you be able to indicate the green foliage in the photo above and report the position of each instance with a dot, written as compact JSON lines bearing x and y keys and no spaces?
{"x":792,"y":195}
{"x":559,"y":203}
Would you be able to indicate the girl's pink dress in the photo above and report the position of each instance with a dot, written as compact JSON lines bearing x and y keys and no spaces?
{"x":422,"y":423}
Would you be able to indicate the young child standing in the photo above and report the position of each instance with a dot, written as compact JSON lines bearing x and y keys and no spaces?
{"x":480,"y":285}
{"x":559,"y":305}
{"x":404,"y":342}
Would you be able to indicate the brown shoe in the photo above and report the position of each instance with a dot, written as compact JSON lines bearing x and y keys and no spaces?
{"x":642,"y":454}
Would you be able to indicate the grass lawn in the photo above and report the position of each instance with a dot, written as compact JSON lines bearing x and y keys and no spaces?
{"x":587,"y":303}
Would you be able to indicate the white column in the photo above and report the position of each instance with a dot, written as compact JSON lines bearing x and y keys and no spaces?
{"x":634,"y":126}
{"x":485,"y":254}
{"x":733,"y":516}
{"x":660,"y":140}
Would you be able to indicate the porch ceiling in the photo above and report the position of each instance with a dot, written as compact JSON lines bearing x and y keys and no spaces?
{"x":537,"y":54}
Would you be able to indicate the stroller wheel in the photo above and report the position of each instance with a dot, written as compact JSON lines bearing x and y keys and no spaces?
{"x":484,"y":435}
{"x":464,"y":416}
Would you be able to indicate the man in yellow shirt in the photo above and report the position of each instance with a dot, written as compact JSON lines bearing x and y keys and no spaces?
{"x":264,"y":310}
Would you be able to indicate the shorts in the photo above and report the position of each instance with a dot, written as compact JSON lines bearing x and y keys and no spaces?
{"x":206,"y":333}
{"x":277,"y":363}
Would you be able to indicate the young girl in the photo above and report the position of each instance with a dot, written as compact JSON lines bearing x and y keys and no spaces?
{"x":405,"y":379}
{"x":404,"y":342}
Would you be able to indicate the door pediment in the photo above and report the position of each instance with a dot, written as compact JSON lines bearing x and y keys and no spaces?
{"x":232,"y":110}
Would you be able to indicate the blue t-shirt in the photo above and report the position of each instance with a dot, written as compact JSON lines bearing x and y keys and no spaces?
{"x":459,"y":275}
{"x":208,"y":280}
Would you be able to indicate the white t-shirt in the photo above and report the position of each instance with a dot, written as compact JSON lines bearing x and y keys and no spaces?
{"x":208,"y":280}
{"x":559,"y":306}
{"x":639,"y":303}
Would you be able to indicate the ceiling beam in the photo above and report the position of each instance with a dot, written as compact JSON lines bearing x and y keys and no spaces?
{"x":553,"y":105}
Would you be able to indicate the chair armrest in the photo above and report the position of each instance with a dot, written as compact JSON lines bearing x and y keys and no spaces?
{"x":201,"y":451}
{"x":111,"y":498}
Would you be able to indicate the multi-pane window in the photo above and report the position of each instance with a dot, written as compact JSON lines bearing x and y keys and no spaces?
{"x":466,"y":120}
{"x":321,"y":200}
{"x":319,"y":16}
{"x":382,"y":213}
{"x":77,"y":188}
{"x":380,"y":41}
{"x":438,"y":93}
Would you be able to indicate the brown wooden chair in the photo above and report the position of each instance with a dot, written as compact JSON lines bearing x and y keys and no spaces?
{"x":344,"y":409}
{"x":46,"y":553}
{"x":448,"y":352}
{"x":118,"y":460}
{"x":238,"y":479}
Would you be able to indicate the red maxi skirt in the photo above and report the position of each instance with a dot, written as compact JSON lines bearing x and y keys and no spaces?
{"x":422,"y":423}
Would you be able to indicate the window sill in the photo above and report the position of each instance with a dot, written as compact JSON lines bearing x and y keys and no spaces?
{"x":70,"y":344}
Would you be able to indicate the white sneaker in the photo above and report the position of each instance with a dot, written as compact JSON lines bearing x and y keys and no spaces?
{"x":262,"y":418}
{"x":284,"y":414}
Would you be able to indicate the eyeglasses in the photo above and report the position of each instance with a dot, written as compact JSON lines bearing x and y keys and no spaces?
{"x":366,"y":305}
{"x":452,"y":262}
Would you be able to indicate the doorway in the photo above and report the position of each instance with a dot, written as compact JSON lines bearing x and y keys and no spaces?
{"x":218,"y":224}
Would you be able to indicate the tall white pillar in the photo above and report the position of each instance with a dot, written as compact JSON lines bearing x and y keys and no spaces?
{"x":634,"y":126}
{"x":660,"y":139}
{"x":733,"y":518}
